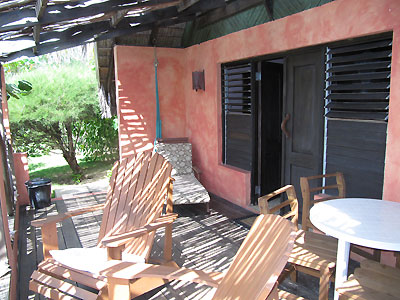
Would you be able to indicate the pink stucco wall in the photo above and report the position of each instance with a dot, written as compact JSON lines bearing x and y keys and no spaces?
{"x":136,"y":96}
{"x":198,"y":115}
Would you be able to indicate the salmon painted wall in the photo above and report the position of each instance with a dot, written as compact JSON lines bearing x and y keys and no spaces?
{"x":136,"y":96}
{"x":201,"y":118}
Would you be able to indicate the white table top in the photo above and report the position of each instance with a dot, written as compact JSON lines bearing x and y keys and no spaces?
{"x":366,"y":222}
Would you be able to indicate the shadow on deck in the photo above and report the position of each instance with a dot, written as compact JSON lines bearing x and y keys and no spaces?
{"x":203,"y":241}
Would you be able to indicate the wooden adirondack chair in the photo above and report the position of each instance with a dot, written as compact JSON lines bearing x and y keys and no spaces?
{"x":252,"y":275}
{"x":313,"y":253}
{"x":139,"y":188}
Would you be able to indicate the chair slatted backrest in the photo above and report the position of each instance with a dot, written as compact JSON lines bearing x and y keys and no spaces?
{"x":259,"y":260}
{"x":266,"y":206}
{"x":137,"y":192}
{"x":309,"y":190}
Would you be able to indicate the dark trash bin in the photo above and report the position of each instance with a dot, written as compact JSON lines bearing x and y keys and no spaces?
{"x":39,"y":191}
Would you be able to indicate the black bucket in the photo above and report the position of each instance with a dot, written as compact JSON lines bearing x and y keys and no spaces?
{"x":39,"y":191}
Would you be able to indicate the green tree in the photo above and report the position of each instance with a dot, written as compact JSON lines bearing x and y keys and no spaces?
{"x":98,"y":138}
{"x":61,"y":97}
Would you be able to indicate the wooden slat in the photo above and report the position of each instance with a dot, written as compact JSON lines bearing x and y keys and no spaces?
{"x":376,"y":55}
{"x":123,"y":212}
{"x":359,"y":96}
{"x":115,"y":196}
{"x":383,"y":116}
{"x":48,"y":292}
{"x":378,"y":282}
{"x":107,"y":206}
{"x":360,"y":47}
{"x":352,"y":289}
{"x":360,"y":76}
{"x":131,"y":193}
{"x":375,"y":267}
{"x":358,"y":105}
{"x":360,"y":66}
{"x":50,"y":266}
{"x":9,"y":20}
{"x":284,"y":295}
{"x":62,"y":286}
{"x":359,"y":86}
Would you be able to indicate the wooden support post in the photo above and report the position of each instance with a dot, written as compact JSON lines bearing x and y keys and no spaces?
{"x":118,"y":289}
{"x":115,"y":252}
{"x":3,"y":199}
{"x":49,"y":239}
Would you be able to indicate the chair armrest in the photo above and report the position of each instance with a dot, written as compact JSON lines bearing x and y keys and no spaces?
{"x":197,"y":172}
{"x":129,"y":271}
{"x":66,"y":215}
{"x":118,"y":240}
{"x":49,"y":227}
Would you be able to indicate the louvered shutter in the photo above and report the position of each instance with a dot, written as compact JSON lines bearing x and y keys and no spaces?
{"x":237,"y":114}
{"x":358,"y":81}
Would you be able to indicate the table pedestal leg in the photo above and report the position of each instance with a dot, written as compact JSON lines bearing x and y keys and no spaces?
{"x":342,"y":264}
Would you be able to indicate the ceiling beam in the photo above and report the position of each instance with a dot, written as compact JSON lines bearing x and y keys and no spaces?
{"x":269,"y":6}
{"x":118,"y":16}
{"x":226,"y":11}
{"x":11,"y":4}
{"x":153,"y":36}
{"x":68,"y":11}
{"x":40,"y":8}
{"x":83,"y":34}
{"x":185,"y":4}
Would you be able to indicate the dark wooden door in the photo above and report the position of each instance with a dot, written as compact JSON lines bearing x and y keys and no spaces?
{"x":303,"y":110}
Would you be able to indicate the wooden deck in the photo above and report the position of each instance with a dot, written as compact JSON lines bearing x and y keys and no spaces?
{"x":203,"y":241}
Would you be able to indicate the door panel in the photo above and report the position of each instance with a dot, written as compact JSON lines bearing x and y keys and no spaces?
{"x":305,"y":104}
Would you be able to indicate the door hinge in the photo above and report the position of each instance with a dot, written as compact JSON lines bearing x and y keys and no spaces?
{"x":258,"y":76}
{"x":257,"y":190}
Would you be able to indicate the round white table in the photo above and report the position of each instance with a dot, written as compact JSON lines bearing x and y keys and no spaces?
{"x":366,"y":222}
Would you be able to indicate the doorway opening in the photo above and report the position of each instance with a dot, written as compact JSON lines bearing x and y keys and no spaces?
{"x":268,"y":171}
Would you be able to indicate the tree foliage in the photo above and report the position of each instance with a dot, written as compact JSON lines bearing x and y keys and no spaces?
{"x":98,"y":138}
{"x":61,"y":97}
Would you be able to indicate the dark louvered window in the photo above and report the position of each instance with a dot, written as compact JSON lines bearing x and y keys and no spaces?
{"x":358,"y":81}
{"x":237,"y":114}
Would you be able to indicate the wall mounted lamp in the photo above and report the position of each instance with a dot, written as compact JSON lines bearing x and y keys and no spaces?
{"x":198,"y":81}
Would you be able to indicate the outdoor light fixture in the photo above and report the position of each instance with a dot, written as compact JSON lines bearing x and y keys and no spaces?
{"x":198,"y":80}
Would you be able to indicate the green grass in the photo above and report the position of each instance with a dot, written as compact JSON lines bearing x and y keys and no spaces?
{"x":61,"y":175}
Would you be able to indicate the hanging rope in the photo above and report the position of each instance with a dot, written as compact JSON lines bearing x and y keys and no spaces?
{"x":158,"y":120}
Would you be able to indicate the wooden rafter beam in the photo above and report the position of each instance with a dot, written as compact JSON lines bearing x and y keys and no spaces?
{"x":118,"y":16}
{"x":11,"y":4}
{"x":36,"y":34}
{"x":269,"y":6}
{"x":67,"y":12}
{"x":40,"y":8}
{"x":153,"y":36}
{"x":226,"y":11}
{"x":185,"y":4}
{"x":83,"y":34}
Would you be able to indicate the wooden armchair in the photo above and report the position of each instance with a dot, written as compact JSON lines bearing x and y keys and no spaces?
{"x":312,"y":188}
{"x":372,"y":281}
{"x":316,"y":193}
{"x":187,"y":187}
{"x":138,"y":189}
{"x":313,"y":253}
{"x":252,"y":274}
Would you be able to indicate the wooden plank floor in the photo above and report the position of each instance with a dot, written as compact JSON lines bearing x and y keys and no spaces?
{"x":203,"y":241}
